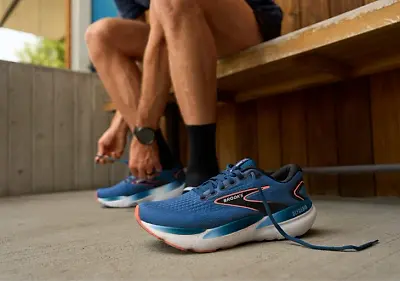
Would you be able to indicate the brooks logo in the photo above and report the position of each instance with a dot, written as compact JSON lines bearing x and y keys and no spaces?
{"x":233,"y":197}
{"x":300,"y":210}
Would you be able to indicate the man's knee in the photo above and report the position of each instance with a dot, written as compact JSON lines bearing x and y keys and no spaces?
{"x":98,"y":33}
{"x":175,"y":10}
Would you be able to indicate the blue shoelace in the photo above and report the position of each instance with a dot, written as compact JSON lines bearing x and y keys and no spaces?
{"x":229,"y":176}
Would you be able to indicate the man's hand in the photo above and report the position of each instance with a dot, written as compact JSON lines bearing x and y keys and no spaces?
{"x":112,"y":143}
{"x":144,"y":160}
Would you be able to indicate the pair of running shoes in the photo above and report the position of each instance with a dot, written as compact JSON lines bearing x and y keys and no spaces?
{"x":239,"y":205}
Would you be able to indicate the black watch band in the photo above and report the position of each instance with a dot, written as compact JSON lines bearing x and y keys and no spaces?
{"x":145,"y":135}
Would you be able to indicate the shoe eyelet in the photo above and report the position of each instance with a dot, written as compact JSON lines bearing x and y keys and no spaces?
{"x":213,"y":193}
{"x":203,"y":197}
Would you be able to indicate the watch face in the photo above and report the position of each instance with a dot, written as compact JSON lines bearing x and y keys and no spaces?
{"x":145,"y":135}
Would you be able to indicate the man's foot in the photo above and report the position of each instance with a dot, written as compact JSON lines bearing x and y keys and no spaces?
{"x":229,"y":209}
{"x":131,"y":191}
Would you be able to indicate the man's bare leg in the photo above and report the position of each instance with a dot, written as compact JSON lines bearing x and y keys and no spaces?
{"x":115,"y":45}
{"x":197,"y":32}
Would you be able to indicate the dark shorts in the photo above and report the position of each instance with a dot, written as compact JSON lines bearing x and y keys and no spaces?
{"x":269,"y":22}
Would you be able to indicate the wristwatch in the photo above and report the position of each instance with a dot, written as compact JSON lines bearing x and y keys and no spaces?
{"x":144,"y":135}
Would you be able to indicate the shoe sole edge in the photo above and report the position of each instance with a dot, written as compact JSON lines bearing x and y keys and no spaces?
{"x":296,"y":227}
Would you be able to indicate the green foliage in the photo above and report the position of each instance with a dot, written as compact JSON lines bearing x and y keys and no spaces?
{"x":46,"y":52}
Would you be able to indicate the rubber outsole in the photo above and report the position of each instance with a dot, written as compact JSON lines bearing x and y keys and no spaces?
{"x":276,"y":237}
{"x":127,"y":202}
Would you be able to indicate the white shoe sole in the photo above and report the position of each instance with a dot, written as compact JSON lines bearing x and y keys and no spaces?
{"x":198,"y":243}
{"x":163,"y":192}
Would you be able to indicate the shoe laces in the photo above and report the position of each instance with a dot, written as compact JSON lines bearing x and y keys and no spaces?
{"x":231,"y":176}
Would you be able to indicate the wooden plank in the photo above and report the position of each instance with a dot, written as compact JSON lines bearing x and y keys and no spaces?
{"x":354,"y":135}
{"x":246,"y":131}
{"x":100,"y":122}
{"x":344,"y":29}
{"x":20,"y":129}
{"x":43,"y":130}
{"x":68,"y":29}
{"x":64,"y":131}
{"x":269,"y":133}
{"x":291,"y":12}
{"x":226,"y":135}
{"x":385,"y":104}
{"x":338,"y":7}
{"x":4,"y":128}
{"x":84,"y":144}
{"x":321,"y":139}
{"x":293,"y":130}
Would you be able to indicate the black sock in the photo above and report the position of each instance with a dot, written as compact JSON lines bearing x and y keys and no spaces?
{"x":203,"y":163}
{"x":167,"y":160}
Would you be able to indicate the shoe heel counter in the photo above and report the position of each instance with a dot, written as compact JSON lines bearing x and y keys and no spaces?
{"x":300,"y":190}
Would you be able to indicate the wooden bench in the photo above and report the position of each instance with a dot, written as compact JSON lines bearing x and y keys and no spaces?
{"x":357,"y":43}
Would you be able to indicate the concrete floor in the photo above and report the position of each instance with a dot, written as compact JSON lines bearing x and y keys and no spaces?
{"x":69,"y":237}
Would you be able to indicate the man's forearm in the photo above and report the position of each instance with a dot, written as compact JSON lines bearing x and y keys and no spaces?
{"x":156,"y":82}
{"x":118,"y":122}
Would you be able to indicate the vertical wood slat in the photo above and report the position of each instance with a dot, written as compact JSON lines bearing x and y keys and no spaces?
{"x":226,"y":135}
{"x":354,"y":136}
{"x":291,"y":13}
{"x":246,"y":131}
{"x":320,"y":114}
{"x":294,"y":130}
{"x":20,"y":128}
{"x":269,"y":133}
{"x":100,"y":121}
{"x":43,"y":130}
{"x":4,"y":128}
{"x":64,"y":131}
{"x":385,"y":105}
{"x":338,"y":7}
{"x":321,"y":138}
{"x":84,"y":144}
{"x":313,"y":11}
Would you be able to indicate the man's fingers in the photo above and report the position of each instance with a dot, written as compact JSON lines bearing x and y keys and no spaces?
{"x":142,"y":173}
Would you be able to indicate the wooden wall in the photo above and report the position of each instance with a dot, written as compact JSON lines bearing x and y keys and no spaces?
{"x":50,"y":121}
{"x":352,"y":122}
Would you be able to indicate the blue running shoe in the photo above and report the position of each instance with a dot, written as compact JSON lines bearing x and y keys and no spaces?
{"x":131,"y":191}
{"x":239,"y":205}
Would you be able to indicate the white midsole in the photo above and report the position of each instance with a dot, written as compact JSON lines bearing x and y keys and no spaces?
{"x":294,"y":227}
{"x":157,"y":194}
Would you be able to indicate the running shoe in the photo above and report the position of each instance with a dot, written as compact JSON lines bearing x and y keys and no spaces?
{"x":131,"y":191}
{"x":239,"y":205}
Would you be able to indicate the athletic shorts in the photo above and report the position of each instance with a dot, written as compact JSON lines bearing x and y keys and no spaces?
{"x":269,"y":22}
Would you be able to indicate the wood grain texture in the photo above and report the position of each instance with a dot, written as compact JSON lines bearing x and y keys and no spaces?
{"x":246,"y":131}
{"x":338,"y":7}
{"x":313,"y":11}
{"x":20,"y":84}
{"x":83,"y":112}
{"x":43,"y":130}
{"x":226,"y":135}
{"x":269,"y":133}
{"x":64,"y":131}
{"x":321,"y":138}
{"x":291,"y":11}
{"x":385,"y":105}
{"x":354,"y":136}
{"x":294,"y":130}
{"x":4,"y":128}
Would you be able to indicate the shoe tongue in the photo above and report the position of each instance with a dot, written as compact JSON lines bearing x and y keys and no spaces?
{"x":245,"y":164}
